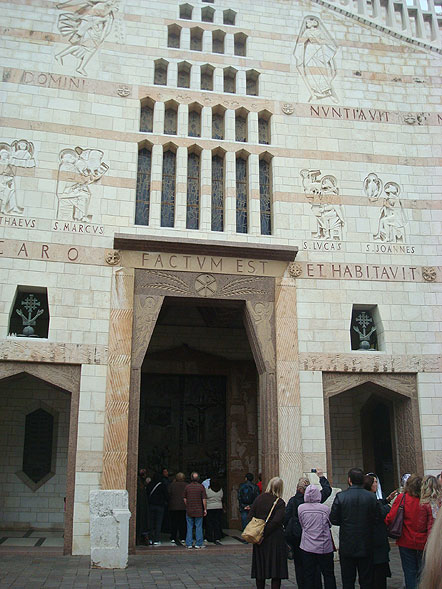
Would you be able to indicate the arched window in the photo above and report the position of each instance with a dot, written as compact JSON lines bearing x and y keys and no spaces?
{"x":252,"y":82}
{"x":241,"y":125}
{"x":217,"y":221}
{"x":142,"y":202}
{"x":173,"y":36}
{"x":229,"y":17}
{"x":194,"y":121}
{"x":207,"y":77}
{"x":184,"y":75}
{"x":168,"y":189}
{"x":230,"y":80}
{"x":240,"y":40}
{"x":160,"y":74}
{"x":193,"y":191}
{"x":218,"y":123}
{"x":218,"y":41}
{"x":241,"y":194}
{"x":171,"y":118}
{"x":207,"y":14}
{"x":196,"y":39}
{"x":146,"y":116}
{"x":264,"y":127}
{"x":186,"y":11}
{"x":265,"y":196}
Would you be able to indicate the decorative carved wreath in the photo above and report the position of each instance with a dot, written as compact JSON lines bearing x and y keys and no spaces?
{"x":429,"y":273}
{"x":288,"y":108}
{"x":295,"y":269}
{"x":112,"y":257}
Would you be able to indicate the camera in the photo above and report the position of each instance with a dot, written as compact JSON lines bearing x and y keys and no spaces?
{"x":313,"y":470}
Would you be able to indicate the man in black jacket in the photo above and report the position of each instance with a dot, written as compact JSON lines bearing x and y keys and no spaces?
{"x":293,"y":527}
{"x":354,"y":510}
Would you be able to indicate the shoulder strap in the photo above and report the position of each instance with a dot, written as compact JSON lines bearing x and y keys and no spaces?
{"x":273,"y":507}
{"x":157,"y":485}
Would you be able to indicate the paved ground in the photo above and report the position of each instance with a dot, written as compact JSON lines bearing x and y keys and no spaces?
{"x":226,"y":567}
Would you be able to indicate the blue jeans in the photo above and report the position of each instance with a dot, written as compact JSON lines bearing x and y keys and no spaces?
{"x":411,"y":565}
{"x":198,"y":521}
{"x":244,"y":516}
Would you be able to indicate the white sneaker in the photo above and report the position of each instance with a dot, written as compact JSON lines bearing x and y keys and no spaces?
{"x":200,"y":547}
{"x":157,"y":543}
{"x":190,"y":547}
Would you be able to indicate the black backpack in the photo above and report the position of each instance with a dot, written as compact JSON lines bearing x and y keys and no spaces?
{"x":248,"y":493}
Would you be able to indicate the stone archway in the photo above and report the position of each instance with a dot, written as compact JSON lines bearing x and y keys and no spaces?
{"x":258,"y":295}
{"x":65,"y":377}
{"x":399,"y":393}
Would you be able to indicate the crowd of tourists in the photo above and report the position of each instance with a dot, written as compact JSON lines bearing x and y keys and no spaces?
{"x":366,"y":520}
{"x":301,"y":530}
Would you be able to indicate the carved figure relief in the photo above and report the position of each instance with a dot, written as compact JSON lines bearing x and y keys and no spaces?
{"x":86,"y":24}
{"x":321,"y":192}
{"x":20,"y":154}
{"x":315,"y":52}
{"x":373,"y":187}
{"x":392,"y":221}
{"x":78,"y":168}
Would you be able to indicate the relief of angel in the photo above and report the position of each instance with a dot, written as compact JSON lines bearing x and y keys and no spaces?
{"x":78,"y":169}
{"x":392,"y":218}
{"x":314,"y":52}
{"x":86,"y":27}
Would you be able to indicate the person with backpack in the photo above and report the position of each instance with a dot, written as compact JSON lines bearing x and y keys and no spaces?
{"x":247,"y":493}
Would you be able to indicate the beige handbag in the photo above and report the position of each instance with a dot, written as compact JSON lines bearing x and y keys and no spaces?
{"x":254,"y":530}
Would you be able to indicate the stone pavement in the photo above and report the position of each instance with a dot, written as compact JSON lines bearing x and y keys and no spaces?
{"x":226,"y":567}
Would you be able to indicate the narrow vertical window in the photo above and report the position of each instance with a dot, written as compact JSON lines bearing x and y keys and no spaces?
{"x":217,"y":193}
{"x":196,"y":39}
{"x":230,"y":80}
{"x":142,"y":203}
{"x":168,"y":189}
{"x":173,"y":36}
{"x":193,"y":191}
{"x":184,"y":75}
{"x":265,"y":196}
{"x":146,"y":116}
{"x":171,"y":119}
{"x":264,"y":128}
{"x":217,"y":124}
{"x":252,"y":83}
{"x":160,"y":74}
{"x":207,"y":14}
{"x":241,"y":195}
{"x":218,"y":41}
{"x":241,"y":126}
{"x":229,"y":17}
{"x":194,"y":123}
{"x":207,"y":77}
{"x":186,"y":11}
{"x":239,"y":47}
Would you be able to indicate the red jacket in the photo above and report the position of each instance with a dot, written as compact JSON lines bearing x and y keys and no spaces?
{"x":413,"y":534}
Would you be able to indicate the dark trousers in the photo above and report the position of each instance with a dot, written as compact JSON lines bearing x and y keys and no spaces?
{"x":363,"y":566}
{"x":411,"y":565}
{"x":213,"y":524}
{"x":300,"y":573}
{"x":178,"y":526}
{"x":325,"y":564}
{"x":156,"y":514}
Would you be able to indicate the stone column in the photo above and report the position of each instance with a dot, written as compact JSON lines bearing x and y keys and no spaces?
{"x":241,"y":82}
{"x":172,"y":74}
{"x":181,"y":188}
{"x":229,"y":124}
{"x":206,"y":190}
{"x":229,"y":44}
{"x":185,"y":38}
{"x":206,"y":122}
{"x":182,"y":120}
{"x":155,"y":186}
{"x":195,"y":77}
{"x":252,"y":127}
{"x":158,"y":118}
{"x":230,"y":189}
{"x":218,"y":80}
{"x":207,"y":41}
{"x":254,"y":199}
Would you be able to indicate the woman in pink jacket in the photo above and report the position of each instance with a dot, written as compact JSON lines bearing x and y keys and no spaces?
{"x":316,"y":540}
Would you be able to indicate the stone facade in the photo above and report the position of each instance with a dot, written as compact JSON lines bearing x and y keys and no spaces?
{"x":310,"y":126}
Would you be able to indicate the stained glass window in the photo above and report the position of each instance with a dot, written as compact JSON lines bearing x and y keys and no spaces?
{"x":168,"y":189}
{"x":194,"y":123}
{"x":230,"y":80}
{"x":207,"y":77}
{"x":193,"y":191}
{"x":240,"y":127}
{"x":146,"y":118}
{"x":240,"y":44}
{"x":160,"y":75}
{"x":217,"y":125}
{"x":241,"y":195}
{"x":170,"y":121}
{"x":173,"y":36}
{"x":217,"y":193}
{"x":218,"y":41}
{"x":196,"y":39}
{"x":265,"y":197}
{"x":252,"y":83}
{"x":263,"y":130}
{"x":183,"y":75}
{"x":143,"y":187}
